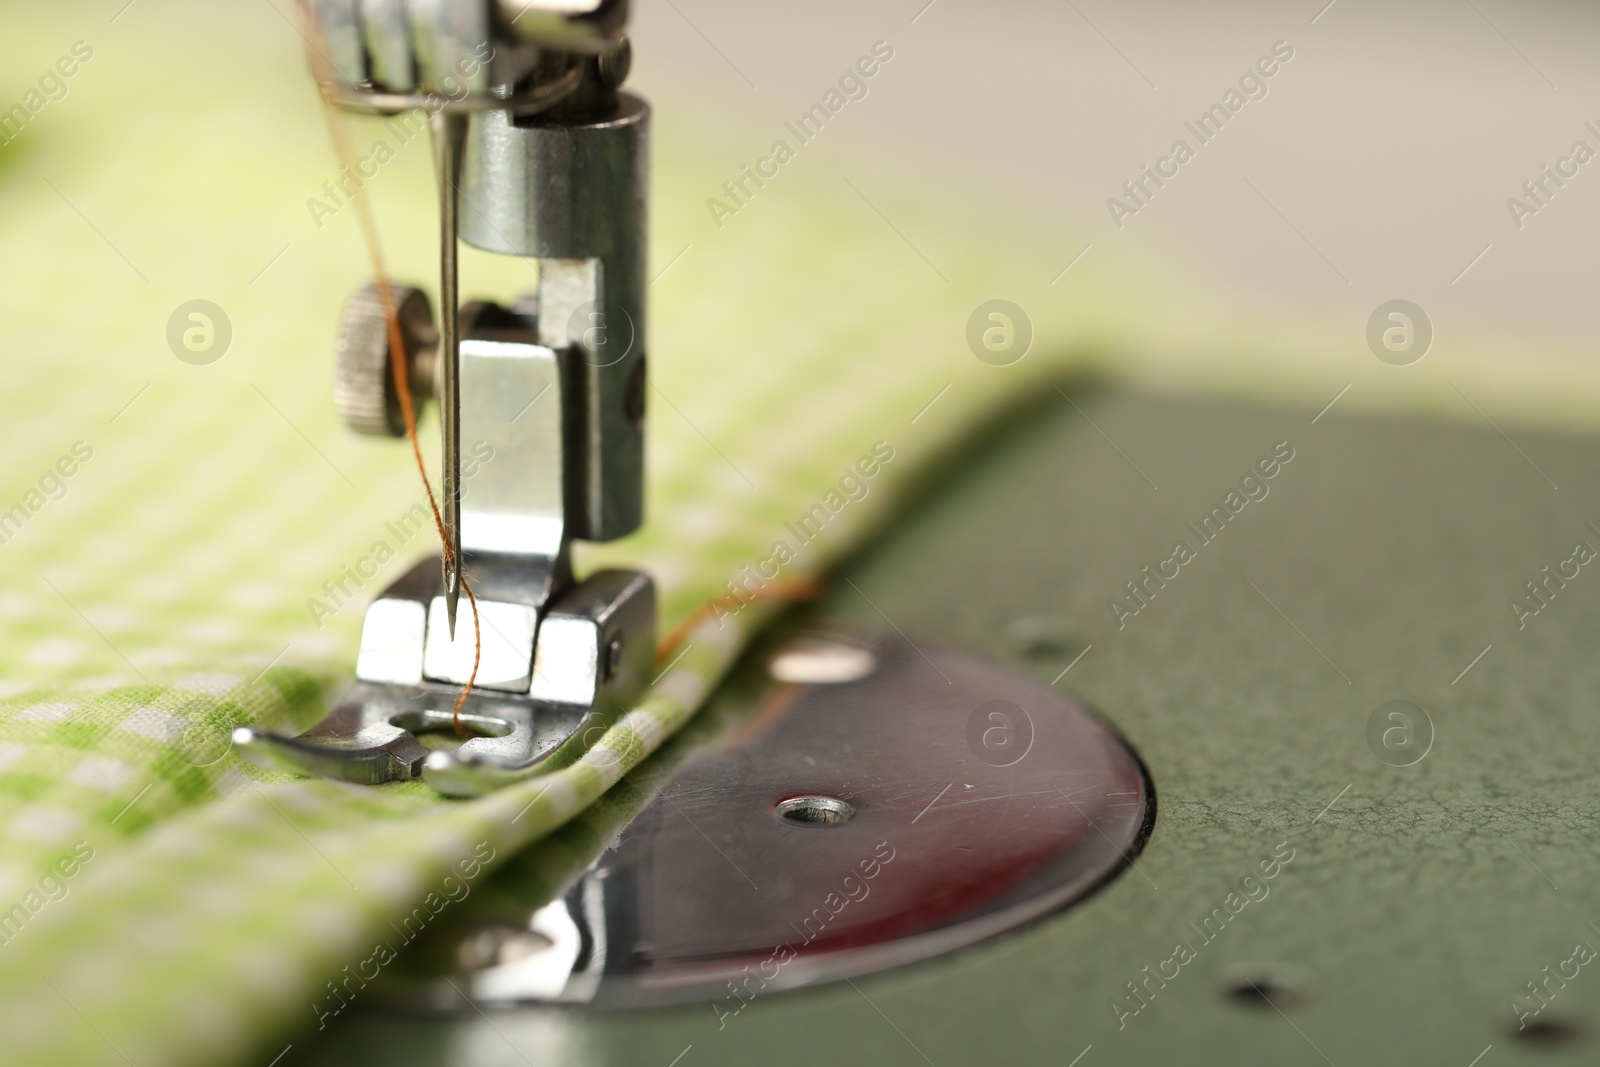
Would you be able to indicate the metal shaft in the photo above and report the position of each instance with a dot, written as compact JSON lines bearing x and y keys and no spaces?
{"x":449,"y":135}
{"x":572,"y":192}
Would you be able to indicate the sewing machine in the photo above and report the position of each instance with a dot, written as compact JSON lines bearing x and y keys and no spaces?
{"x":1364,"y":691}
{"x":539,"y":154}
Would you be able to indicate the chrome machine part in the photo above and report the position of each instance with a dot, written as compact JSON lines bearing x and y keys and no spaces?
{"x":553,"y":408}
{"x":935,"y":802}
{"x":594,"y":653}
{"x":592,"y":26}
{"x":555,"y":655}
{"x":388,"y":39}
{"x":570,"y":191}
{"x":462,"y":56}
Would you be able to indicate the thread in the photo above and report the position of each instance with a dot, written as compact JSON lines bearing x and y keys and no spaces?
{"x":781,"y":590}
{"x":339,"y":132}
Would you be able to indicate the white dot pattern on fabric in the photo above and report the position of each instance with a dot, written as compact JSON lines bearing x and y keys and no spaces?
{"x":723,"y":638}
{"x":10,"y":752}
{"x":42,"y":823}
{"x":446,"y":843}
{"x":104,"y":682}
{"x":179,"y":844}
{"x":58,"y":652}
{"x":685,"y":687}
{"x":390,"y":879}
{"x":230,"y":779}
{"x":215,"y":898}
{"x":49,"y":712}
{"x":244,"y":818}
{"x":700,"y":520}
{"x":214,"y":684}
{"x":298,"y":799}
{"x":558,"y":793}
{"x":267,"y":969}
{"x":332,"y":923}
{"x":154,"y":724}
{"x":647,"y":726}
{"x":609,"y":764}
{"x":98,"y":772}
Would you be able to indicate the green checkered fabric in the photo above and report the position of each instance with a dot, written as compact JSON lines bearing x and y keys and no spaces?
{"x":160,"y":900}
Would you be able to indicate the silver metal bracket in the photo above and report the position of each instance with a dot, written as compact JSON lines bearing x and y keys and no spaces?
{"x":555,"y":659}
{"x":594,"y":649}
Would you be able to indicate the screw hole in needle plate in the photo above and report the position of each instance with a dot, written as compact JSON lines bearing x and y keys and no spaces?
{"x":1262,"y":991}
{"x":814,"y":811}
{"x":1548,"y":1032}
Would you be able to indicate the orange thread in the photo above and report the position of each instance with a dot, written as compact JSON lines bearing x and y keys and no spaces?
{"x":784,"y":590}
{"x":339,"y":133}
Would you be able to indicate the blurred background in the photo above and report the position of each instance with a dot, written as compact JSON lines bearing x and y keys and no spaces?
{"x":1378,"y":166}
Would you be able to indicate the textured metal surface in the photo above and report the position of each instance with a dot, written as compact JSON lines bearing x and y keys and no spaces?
{"x":1416,"y":908}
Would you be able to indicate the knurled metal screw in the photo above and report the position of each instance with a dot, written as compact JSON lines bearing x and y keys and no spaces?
{"x":615,"y":64}
{"x":363,"y":381}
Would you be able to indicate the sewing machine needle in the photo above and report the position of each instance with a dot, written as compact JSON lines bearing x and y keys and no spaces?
{"x":449,"y":134}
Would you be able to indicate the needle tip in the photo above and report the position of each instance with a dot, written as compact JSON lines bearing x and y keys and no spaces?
{"x":452,"y":597}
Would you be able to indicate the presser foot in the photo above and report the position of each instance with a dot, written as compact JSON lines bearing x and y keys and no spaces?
{"x":586,"y":655}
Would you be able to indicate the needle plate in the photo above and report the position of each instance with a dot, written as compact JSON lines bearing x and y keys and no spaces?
{"x":909,"y":801}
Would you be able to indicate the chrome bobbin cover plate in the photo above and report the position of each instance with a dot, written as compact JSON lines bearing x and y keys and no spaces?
{"x":880,"y":804}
